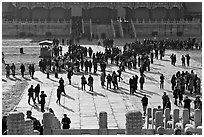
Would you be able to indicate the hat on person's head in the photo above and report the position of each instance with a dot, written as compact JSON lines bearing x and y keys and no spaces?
{"x":65,"y":115}
{"x":42,"y":91}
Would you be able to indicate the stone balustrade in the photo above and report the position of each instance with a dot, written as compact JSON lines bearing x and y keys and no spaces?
{"x":155,"y":123}
{"x":18,"y":125}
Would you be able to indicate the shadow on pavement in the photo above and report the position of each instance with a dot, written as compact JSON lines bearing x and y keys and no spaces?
{"x":155,"y":68}
{"x":148,"y":92}
{"x":69,"y":97}
{"x":17,"y":78}
{"x":12,"y":79}
{"x":53,"y":80}
{"x":93,"y":93}
{"x":26,"y":78}
{"x":159,"y":65}
{"x":152,"y":72}
{"x":66,"y":108}
{"x":151,"y":78}
{"x":165,"y":60}
{"x":191,"y":68}
{"x":36,"y":79}
{"x":36,"y":107}
{"x":4,"y":80}
{"x":85,"y":73}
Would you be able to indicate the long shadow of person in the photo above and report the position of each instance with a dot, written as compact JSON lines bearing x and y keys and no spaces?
{"x":66,"y":108}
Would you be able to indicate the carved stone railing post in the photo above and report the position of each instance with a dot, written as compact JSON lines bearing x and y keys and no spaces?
{"x":133,"y":123}
{"x":103,"y":124}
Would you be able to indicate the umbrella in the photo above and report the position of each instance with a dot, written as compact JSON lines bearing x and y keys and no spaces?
{"x":45,"y":42}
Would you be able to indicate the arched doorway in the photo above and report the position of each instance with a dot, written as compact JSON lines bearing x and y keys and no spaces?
{"x":39,"y":13}
{"x":24,"y":13}
{"x":141,"y":13}
{"x":100,"y":14}
{"x":159,"y":13}
{"x":174,"y":13}
{"x":57,"y":13}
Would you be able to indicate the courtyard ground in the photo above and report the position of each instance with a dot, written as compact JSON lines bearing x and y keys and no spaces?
{"x":83,"y":107}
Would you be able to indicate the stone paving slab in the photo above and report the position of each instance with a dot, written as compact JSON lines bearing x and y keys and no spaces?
{"x":83,"y":107}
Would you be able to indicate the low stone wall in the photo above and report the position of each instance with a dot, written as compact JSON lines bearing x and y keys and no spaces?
{"x":155,"y":123}
{"x":17,"y":125}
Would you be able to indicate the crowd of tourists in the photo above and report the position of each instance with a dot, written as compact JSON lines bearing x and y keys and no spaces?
{"x":134,"y":55}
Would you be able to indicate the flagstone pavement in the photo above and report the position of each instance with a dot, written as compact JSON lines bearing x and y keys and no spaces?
{"x":83,"y":107}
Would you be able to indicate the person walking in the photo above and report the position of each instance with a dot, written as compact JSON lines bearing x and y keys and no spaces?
{"x":144,"y":104}
{"x":142,"y":81}
{"x":183,"y":60}
{"x":90,"y":83}
{"x":180,"y":96}
{"x":83,"y":82}
{"x":42,"y":101}
{"x":7,"y":70}
{"x":102,"y":79}
{"x":69,"y":75}
{"x":173,"y":82}
{"x":162,"y":81}
{"x":59,"y":92}
{"x":61,"y":84}
{"x":66,"y":122}
{"x":115,"y":80}
{"x":109,"y":80}
{"x":13,"y":68}
{"x":32,"y":70}
{"x":37,"y":92}
{"x":22,"y":68}
{"x":188,"y":59}
{"x":175,"y":96}
{"x":164,"y":100}
{"x":30,"y":94}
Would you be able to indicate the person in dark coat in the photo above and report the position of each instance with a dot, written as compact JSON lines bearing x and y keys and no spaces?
{"x":66,"y":122}
{"x":173,"y":82}
{"x":95,"y":66}
{"x":59,"y":92}
{"x":175,"y":96}
{"x":69,"y":75}
{"x":168,"y":104}
{"x":180,"y":96}
{"x":183,"y":60}
{"x":22,"y":68}
{"x":90,"y":65}
{"x":13,"y":68}
{"x":90,"y":82}
{"x":144,"y":104}
{"x":142,"y":81}
{"x":188,"y":59}
{"x":32,"y":70}
{"x":82,"y":64}
{"x":30,"y":94}
{"x":187,"y":104}
{"x":151,"y":57}
{"x":37,"y":92}
{"x":83,"y":83}
{"x":164,"y":100}
{"x":29,"y":69}
{"x":162,"y":81}
{"x":109,"y":80}
{"x":61,"y":83}
{"x":42,"y":101}
{"x":86,"y":63}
